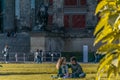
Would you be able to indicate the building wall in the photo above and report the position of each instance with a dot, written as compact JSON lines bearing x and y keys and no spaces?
{"x":37,"y":42}
{"x":76,"y":44}
{"x":25,"y":9}
{"x":91,"y":19}
{"x":54,"y":44}
{"x":78,"y":14}
{"x":59,"y":44}
{"x":17,"y":44}
{"x":8,"y":17}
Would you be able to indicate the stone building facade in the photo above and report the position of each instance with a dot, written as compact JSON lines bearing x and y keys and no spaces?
{"x":21,"y":14}
{"x":76,"y":17}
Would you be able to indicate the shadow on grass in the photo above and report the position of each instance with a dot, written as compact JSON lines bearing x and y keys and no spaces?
{"x":23,"y":73}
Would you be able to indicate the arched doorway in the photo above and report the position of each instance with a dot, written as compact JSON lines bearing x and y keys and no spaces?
{"x":1,"y":15}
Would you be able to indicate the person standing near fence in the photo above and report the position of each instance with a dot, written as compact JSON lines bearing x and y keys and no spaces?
{"x":6,"y":53}
{"x":16,"y":57}
{"x":37,"y":56}
{"x":41,"y":56}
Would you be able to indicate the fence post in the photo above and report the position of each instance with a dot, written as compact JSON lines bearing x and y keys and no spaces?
{"x":52,"y":56}
{"x":42,"y":56}
{"x":24,"y":57}
{"x":16,"y":57}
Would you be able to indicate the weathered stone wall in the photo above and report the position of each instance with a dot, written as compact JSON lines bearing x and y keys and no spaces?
{"x":9,"y":13}
{"x":48,"y":42}
{"x":54,"y":43}
{"x":20,"y":43}
{"x":76,"y":44}
{"x":91,"y":19}
{"x":25,"y":9}
{"x":58,"y":13}
{"x":37,"y":5}
{"x":28,"y":15}
{"x":37,"y":43}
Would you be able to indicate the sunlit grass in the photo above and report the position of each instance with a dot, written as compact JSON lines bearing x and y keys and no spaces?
{"x":41,"y":71}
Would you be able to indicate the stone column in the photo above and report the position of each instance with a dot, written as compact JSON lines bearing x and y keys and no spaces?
{"x":37,"y":5}
{"x":25,"y":8}
{"x":9,"y":14}
{"x":46,"y":2}
{"x":32,"y":14}
{"x":58,"y":13}
{"x":56,"y":43}
{"x":91,"y":20}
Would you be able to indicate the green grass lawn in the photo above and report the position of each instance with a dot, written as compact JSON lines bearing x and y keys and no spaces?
{"x":41,"y":71}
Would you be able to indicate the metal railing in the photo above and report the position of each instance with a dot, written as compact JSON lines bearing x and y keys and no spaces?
{"x":30,"y":57}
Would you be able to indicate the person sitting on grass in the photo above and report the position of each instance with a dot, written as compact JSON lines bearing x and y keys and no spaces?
{"x":62,"y":68}
{"x":77,"y":71}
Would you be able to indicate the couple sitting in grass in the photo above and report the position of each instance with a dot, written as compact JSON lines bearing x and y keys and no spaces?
{"x":62,"y":68}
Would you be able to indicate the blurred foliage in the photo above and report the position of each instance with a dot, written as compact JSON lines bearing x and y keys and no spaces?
{"x":107,"y":32}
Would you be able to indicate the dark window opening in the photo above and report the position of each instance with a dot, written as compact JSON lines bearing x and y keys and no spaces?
{"x":70,"y":2}
{"x":50,"y":19}
{"x":78,"y":21}
{"x":51,"y":1}
{"x":83,"y":2}
{"x":66,"y":21}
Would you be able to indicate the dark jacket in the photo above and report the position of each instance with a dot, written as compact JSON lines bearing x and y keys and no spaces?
{"x":76,"y":70}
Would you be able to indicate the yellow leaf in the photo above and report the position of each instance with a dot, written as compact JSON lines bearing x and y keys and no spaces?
{"x":107,"y":32}
{"x":104,"y":58}
{"x":107,"y":47}
{"x":112,"y":37}
{"x":108,"y":37}
{"x":100,"y":6}
{"x":109,"y":73}
{"x":106,"y":61}
{"x":103,"y":21}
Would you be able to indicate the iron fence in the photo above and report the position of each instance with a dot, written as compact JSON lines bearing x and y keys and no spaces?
{"x":30,"y":57}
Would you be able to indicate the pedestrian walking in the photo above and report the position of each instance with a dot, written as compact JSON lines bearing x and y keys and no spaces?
{"x":6,"y":54}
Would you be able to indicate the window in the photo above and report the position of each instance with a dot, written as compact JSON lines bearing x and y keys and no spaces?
{"x":51,"y":1}
{"x":66,"y":21}
{"x":78,"y":21}
{"x":50,"y":19}
{"x":83,"y":2}
{"x":70,"y":2}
